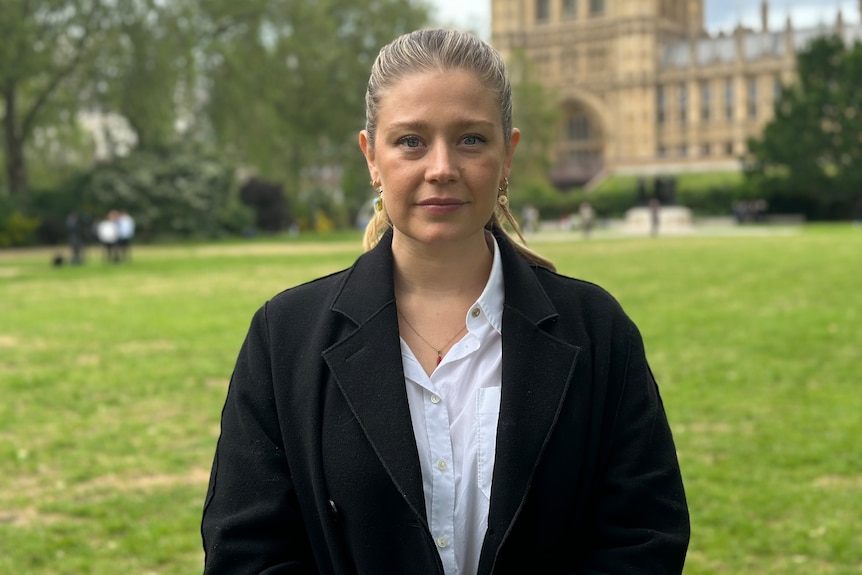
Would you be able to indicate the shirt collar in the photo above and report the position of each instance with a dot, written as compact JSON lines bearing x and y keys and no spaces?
{"x":491,"y":299}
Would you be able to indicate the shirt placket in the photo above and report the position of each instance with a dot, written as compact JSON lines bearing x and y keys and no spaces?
{"x":442,"y":520}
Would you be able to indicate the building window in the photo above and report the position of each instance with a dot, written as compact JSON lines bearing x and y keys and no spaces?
{"x":660,"y":106}
{"x":578,"y":129}
{"x":705,"y":150}
{"x":543,"y":10}
{"x":570,"y":8}
{"x":728,"y":149}
{"x":777,"y":88}
{"x":662,"y":152}
{"x":728,"y":99}
{"x":752,"y":98}
{"x":597,"y":7}
{"x":705,"y":101}
{"x":683,"y":104}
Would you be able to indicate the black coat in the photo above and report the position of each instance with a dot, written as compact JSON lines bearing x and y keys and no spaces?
{"x":317,"y":470}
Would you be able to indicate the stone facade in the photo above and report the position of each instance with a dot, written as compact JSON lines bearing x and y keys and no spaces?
{"x":644,"y":89}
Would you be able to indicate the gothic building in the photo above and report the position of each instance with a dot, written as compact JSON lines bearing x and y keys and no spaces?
{"x":644,"y":89}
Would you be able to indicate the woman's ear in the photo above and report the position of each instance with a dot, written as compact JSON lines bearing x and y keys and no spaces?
{"x":368,"y":151}
{"x":510,"y":151}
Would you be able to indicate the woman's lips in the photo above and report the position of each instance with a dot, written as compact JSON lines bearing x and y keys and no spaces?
{"x":441,"y":206}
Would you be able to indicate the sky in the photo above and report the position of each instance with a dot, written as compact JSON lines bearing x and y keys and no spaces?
{"x":475,"y":15}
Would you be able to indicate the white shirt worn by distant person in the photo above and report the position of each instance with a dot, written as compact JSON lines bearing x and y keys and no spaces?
{"x":106,"y":231}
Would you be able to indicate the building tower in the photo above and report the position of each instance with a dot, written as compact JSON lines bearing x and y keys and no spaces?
{"x":602,"y":58}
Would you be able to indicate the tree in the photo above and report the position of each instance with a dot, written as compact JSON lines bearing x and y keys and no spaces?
{"x":285,"y":89}
{"x":278,"y":84}
{"x":147,"y":73}
{"x":42,"y":46}
{"x":807,"y":159}
{"x":61,"y":58}
{"x":537,"y":115}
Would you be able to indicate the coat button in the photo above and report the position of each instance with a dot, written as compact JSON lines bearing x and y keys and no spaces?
{"x":334,"y":510}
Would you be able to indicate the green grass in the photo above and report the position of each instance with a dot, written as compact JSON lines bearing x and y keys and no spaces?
{"x":112,"y":380}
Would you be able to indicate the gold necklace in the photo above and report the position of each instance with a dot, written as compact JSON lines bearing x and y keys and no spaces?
{"x":431,"y":345}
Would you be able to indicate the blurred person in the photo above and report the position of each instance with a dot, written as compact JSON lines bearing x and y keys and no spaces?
{"x":125,"y":233}
{"x":107,"y":234}
{"x":448,"y":404}
{"x":75,"y":236}
{"x":588,"y":217}
{"x":531,"y":218}
{"x":654,"y":216}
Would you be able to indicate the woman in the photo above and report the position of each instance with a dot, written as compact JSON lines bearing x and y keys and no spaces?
{"x":448,"y":404}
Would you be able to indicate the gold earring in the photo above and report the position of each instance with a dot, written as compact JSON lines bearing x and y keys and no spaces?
{"x":378,"y":201}
{"x":503,"y":193}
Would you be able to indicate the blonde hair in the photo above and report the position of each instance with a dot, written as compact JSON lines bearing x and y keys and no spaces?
{"x":433,"y":50}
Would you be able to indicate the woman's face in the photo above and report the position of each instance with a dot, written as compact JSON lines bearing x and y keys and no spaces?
{"x":439,"y":155}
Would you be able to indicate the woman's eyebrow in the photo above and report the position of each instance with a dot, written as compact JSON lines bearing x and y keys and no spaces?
{"x":457,"y":123}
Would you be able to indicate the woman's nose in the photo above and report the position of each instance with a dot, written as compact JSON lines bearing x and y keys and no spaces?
{"x":443,"y":164}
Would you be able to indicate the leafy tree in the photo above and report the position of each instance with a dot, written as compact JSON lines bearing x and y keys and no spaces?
{"x":285,"y":89}
{"x":537,"y":115}
{"x":146,"y":74}
{"x":61,"y":58}
{"x":278,"y":84}
{"x":42,"y":46}
{"x":807,"y":159}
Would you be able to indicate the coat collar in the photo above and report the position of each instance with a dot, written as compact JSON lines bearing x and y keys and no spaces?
{"x":537,"y":368}
{"x":368,"y":288}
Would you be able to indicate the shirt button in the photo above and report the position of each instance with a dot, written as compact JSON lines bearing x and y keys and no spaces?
{"x":435,"y":399}
{"x":442,"y":465}
{"x":442,"y":542}
{"x":476,"y":311}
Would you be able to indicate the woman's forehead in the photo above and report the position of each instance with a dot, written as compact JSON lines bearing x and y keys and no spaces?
{"x":419,"y":91}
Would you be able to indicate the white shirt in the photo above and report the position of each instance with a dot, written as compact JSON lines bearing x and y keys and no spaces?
{"x":125,"y":227}
{"x":454,"y":414}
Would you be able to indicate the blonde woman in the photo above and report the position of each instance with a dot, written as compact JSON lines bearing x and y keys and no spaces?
{"x":449,"y":404}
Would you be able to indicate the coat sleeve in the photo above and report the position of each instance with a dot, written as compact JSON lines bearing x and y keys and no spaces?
{"x":639,"y":512}
{"x":251,"y":520}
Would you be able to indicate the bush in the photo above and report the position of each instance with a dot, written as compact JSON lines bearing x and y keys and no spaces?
{"x":16,"y":229}
{"x":706,"y":194}
{"x":180,"y":190}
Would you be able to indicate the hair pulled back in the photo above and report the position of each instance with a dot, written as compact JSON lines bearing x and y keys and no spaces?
{"x":439,"y":50}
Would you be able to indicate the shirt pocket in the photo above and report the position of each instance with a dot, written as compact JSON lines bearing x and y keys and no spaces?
{"x":487,"y":414}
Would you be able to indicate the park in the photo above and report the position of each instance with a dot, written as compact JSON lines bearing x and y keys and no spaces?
{"x":230,"y":137}
{"x":113,"y":378}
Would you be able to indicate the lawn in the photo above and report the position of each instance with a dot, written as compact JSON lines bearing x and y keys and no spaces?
{"x":112,"y":379}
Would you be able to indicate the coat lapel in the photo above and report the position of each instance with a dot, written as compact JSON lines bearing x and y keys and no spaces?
{"x":366,"y":366}
{"x":537,"y":370}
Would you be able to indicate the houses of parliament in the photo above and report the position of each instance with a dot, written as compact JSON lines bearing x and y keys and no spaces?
{"x":644,"y":89}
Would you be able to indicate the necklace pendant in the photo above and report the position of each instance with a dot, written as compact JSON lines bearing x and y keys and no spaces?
{"x":439,"y":358}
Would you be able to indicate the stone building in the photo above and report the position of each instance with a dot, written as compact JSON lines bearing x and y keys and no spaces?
{"x":644,"y":89}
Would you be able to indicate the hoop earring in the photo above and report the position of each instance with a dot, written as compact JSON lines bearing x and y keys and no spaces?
{"x":503,"y":193}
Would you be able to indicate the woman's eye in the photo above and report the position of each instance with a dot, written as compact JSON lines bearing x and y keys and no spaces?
{"x":472,"y":140}
{"x":410,"y":141}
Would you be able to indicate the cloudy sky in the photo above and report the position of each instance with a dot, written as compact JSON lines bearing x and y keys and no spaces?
{"x":720,"y":14}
